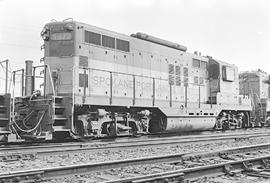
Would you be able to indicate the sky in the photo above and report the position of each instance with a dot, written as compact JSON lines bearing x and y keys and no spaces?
{"x":235,"y":31}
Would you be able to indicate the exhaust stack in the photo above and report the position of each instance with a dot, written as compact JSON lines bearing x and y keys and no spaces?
{"x":28,"y":77}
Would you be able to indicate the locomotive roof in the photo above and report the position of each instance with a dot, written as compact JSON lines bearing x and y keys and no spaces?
{"x":204,"y":58}
{"x":88,"y":25}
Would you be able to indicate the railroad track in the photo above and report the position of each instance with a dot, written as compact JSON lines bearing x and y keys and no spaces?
{"x":26,"y":144}
{"x":229,"y":161}
{"x":30,"y":152}
{"x":258,"y":167}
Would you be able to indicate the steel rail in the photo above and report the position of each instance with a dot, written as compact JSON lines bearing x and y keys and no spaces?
{"x":58,"y":148}
{"x":48,"y":173}
{"x":3,"y":145}
{"x":226,"y":152}
{"x":230,"y":167}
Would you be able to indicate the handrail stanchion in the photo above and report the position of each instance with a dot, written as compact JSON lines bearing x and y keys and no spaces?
{"x":154,"y":91}
{"x":13,"y":95}
{"x":170,"y":95}
{"x":53,"y":101}
{"x":199,"y":96}
{"x":186,"y":95}
{"x":34,"y":79}
{"x":73,"y":99}
{"x":84,"y":85}
{"x":13,"y":91}
{"x":111,"y":82}
{"x":134,"y":89}
{"x":45,"y":80}
{"x":6,"y":79}
{"x":51,"y":80}
{"x":6,"y":76}
{"x":22,"y":82}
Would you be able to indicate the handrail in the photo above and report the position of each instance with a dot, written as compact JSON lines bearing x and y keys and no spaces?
{"x":13,"y":102}
{"x":148,"y":77}
{"x":73,"y":99}
{"x":51,"y":80}
{"x":13,"y":94}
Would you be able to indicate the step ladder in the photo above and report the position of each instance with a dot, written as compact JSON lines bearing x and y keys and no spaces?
{"x":60,"y":118}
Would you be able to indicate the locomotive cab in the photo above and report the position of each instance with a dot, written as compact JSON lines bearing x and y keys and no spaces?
{"x":224,"y":91}
{"x":59,"y":55}
{"x":59,"y":39}
{"x":60,"y":59}
{"x":214,"y":83}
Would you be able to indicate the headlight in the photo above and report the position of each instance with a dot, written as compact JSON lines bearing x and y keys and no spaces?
{"x":69,"y":27}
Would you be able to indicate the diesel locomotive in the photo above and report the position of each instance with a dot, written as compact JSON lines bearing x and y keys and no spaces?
{"x":102,"y":83}
{"x":256,"y":85}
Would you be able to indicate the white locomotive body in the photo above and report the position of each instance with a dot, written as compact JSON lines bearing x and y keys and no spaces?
{"x":105,"y":83}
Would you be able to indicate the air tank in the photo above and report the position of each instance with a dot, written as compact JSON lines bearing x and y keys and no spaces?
{"x":183,"y":124}
{"x":156,"y":40}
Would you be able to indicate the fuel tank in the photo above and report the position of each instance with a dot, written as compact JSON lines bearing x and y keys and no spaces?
{"x":188,"y":123}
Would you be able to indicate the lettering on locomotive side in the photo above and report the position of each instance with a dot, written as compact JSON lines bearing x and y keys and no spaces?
{"x":103,"y":81}
{"x":100,"y":81}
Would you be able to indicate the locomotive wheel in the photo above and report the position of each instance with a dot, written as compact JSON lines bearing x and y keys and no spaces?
{"x":79,"y":128}
{"x":218,"y":124}
{"x":240,"y":124}
{"x":134,"y":128}
{"x":267,"y":121}
{"x":110,"y":129}
{"x":225,"y":125}
{"x":246,"y":122}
